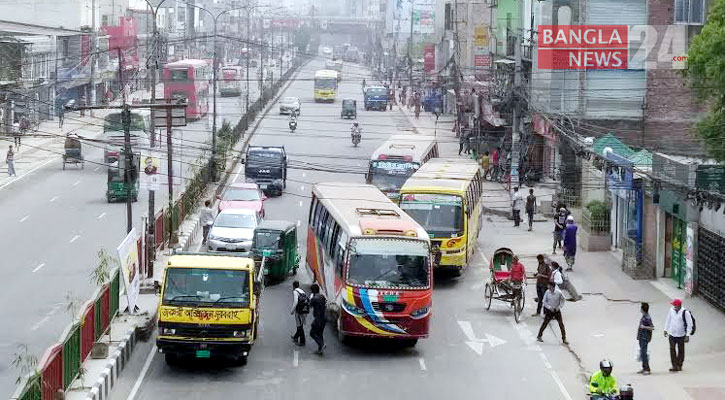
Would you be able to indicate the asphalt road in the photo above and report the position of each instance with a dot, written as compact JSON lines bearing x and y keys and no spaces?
{"x":54,"y":222}
{"x":471,"y":353}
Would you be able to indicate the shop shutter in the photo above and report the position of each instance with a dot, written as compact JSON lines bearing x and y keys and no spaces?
{"x":711,"y":267}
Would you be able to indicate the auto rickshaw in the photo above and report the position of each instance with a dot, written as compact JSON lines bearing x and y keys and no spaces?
{"x":73,"y":153}
{"x":275,"y":243}
{"x":117,"y":188}
{"x":349,"y":108}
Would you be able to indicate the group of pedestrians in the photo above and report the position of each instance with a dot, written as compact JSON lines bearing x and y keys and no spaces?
{"x":302,"y":304}
{"x":565,"y":235}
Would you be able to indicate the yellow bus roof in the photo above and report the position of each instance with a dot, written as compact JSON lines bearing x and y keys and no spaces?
{"x":401,"y":145}
{"x":442,"y":175}
{"x":211,"y":261}
{"x":326,"y":73}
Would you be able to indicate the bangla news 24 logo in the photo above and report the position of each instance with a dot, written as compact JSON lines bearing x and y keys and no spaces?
{"x":636,"y":47}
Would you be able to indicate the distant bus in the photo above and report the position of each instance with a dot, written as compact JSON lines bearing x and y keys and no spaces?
{"x":372,"y":261}
{"x":325,"y":85}
{"x":231,"y":82}
{"x":188,"y":80}
{"x":397,"y":159}
{"x":444,"y":196}
{"x":114,"y":135}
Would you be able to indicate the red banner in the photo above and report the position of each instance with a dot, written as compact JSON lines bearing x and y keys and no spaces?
{"x":482,"y":60}
{"x":429,"y":58}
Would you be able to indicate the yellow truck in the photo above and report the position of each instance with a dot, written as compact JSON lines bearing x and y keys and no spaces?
{"x":209,"y":307}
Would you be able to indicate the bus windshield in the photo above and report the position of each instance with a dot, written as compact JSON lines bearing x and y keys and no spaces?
{"x":204,"y":287}
{"x":391,"y":175}
{"x":325,"y":83}
{"x":179,"y":75}
{"x":395,"y":263}
{"x":440,"y":214}
{"x":112,"y":122}
{"x":376,"y":92}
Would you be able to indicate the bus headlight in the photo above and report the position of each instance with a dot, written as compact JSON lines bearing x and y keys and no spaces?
{"x":241,"y":334}
{"x":420,"y":313}
{"x":353,"y":309}
{"x":167,"y":331}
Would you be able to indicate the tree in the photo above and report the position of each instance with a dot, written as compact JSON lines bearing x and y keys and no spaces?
{"x":706,"y":73}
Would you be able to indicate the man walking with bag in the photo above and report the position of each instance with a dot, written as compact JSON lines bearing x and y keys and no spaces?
{"x":679,"y":326}
{"x":318,"y":302}
{"x":644,"y":335}
{"x":300,"y":309}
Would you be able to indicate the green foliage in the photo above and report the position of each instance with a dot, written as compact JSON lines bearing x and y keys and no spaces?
{"x":102,"y":273}
{"x":598,"y":210}
{"x":706,"y":73}
{"x":24,"y":361}
{"x":72,"y":305}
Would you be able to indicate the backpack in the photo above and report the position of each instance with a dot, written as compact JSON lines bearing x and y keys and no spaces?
{"x":684,"y":321}
{"x":303,"y":303}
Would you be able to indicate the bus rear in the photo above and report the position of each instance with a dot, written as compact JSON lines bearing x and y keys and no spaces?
{"x":231,"y":83}
{"x":186,"y":80}
{"x":397,"y":159}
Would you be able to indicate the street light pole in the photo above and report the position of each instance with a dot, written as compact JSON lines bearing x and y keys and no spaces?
{"x":154,"y":61}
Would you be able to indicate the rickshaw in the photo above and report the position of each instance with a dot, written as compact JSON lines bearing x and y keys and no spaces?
{"x":275,"y":245}
{"x":500,"y":287}
{"x":349,"y":108}
{"x":73,"y":153}
{"x":117,"y":188}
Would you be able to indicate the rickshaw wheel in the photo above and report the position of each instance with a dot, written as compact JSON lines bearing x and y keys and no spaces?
{"x":487,"y":295}
{"x":518,"y":307}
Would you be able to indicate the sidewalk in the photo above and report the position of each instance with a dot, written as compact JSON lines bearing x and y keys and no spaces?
{"x":604,"y":323}
{"x":46,"y":143}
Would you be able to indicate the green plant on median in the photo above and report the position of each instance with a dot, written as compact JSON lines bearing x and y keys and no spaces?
{"x":72,"y":305}
{"x":102,"y":273}
{"x":25,"y":362}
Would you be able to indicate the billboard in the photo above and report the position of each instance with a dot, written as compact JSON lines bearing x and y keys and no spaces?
{"x":398,"y":14}
{"x":130,"y":268}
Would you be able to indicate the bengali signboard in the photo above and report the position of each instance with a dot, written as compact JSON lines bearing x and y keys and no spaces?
{"x":711,"y":177}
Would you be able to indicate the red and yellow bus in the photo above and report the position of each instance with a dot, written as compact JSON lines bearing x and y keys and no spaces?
{"x":372,"y":261}
{"x":188,"y":80}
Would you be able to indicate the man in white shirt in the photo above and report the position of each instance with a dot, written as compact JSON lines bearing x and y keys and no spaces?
{"x":206,"y":219}
{"x":300,"y":309}
{"x":678,"y":327}
{"x":553,"y":302}
{"x":517,"y":201}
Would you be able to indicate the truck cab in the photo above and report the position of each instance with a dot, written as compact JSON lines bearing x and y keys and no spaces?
{"x":266,"y":164}
{"x":209,"y":307}
{"x":376,"y":98}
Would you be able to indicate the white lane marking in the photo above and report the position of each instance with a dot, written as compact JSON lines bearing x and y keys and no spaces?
{"x":74,"y":238}
{"x":528,"y":338}
{"x":304,"y":174}
{"x":41,"y":265}
{"x":97,"y":168}
{"x":598,"y":335}
{"x":25,"y":218}
{"x":76,"y":182}
{"x":298,"y":222}
{"x":39,"y":323}
{"x":54,"y":198}
{"x":296,"y":359}
{"x":302,"y":188}
{"x":421,"y":362}
{"x":559,"y":383}
{"x":143,"y":373}
{"x":101,"y":216}
{"x":26,"y":174}
{"x":476,"y":344}
{"x":300,"y":203}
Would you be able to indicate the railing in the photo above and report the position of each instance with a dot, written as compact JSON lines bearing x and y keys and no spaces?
{"x":61,"y":362}
{"x":595,"y":226}
{"x":631,"y":255}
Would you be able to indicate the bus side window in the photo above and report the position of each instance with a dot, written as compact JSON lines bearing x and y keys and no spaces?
{"x":329,"y":227}
{"x":332,"y":247}
{"x":313,"y":203}
{"x":322,"y":224}
{"x":340,"y":254}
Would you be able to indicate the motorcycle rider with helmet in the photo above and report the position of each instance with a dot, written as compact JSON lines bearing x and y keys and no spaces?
{"x":355,"y":133}
{"x":602,"y":383}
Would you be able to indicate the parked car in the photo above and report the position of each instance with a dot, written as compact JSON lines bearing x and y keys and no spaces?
{"x":233,"y":231}
{"x":289,"y":104}
{"x":243,"y":195}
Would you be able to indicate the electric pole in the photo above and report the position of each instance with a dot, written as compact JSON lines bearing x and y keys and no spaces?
{"x":515,"y":131}
{"x":169,"y":157}
{"x":410,"y":47}
{"x":249,"y":55}
{"x":127,"y":155}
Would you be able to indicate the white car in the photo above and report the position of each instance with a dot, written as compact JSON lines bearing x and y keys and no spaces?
{"x":326,"y":51}
{"x":233,"y":231}
{"x":289,"y":104}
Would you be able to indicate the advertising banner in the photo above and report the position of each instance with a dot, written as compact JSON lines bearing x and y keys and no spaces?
{"x":150,"y":177}
{"x":130,"y":268}
{"x":429,"y":58}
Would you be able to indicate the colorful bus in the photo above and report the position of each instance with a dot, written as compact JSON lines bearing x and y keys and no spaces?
{"x":325,"y":85}
{"x":397,"y":159}
{"x":231,"y":82}
{"x":372,"y":261}
{"x":188,"y":80}
{"x":444,"y":196}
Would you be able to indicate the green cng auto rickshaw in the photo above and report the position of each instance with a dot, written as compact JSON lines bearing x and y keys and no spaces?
{"x":349,"y":108}
{"x":117,"y":188}
{"x":275,"y":243}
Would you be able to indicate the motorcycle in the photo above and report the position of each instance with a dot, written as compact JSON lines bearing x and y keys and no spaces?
{"x":625,"y":393}
{"x":356,"y":136}
{"x":292,"y":125}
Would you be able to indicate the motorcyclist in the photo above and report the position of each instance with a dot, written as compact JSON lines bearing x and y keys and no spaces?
{"x":602,"y":383}
{"x":292,"y":119}
{"x":355,"y":128}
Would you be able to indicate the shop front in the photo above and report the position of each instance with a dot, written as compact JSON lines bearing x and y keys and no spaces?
{"x":626,"y":199}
